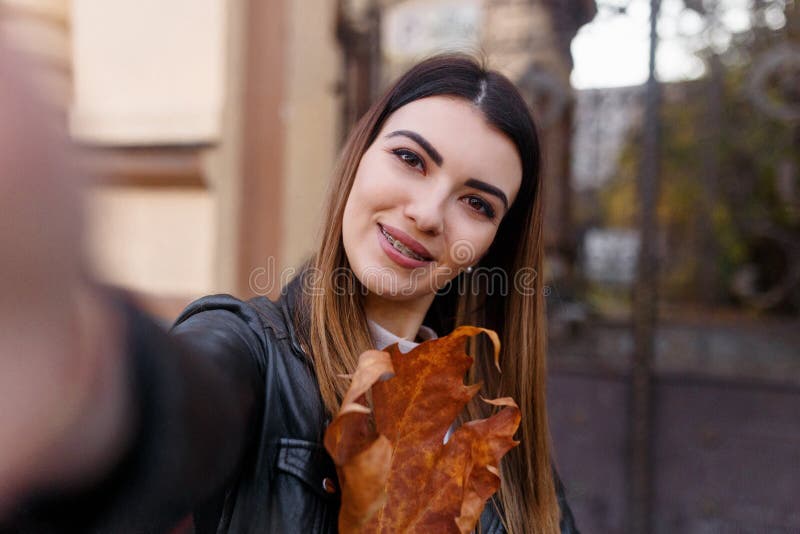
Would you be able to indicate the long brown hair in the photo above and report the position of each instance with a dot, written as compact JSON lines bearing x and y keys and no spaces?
{"x":332,"y":324}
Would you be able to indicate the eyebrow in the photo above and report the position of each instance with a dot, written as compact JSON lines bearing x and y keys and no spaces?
{"x":437,"y":158}
{"x":421,"y":141}
{"x":488,"y":188}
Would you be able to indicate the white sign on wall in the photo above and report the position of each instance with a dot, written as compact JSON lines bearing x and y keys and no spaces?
{"x":610,"y":255}
{"x":417,"y":28}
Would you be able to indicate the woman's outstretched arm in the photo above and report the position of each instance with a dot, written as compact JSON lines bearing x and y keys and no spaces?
{"x":191,"y":413}
{"x":106,"y":419}
{"x":53,"y":366}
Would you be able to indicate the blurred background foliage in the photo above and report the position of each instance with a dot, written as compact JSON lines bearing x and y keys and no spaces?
{"x":729,"y":209}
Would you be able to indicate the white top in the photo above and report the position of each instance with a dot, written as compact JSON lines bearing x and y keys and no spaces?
{"x":382,"y":338}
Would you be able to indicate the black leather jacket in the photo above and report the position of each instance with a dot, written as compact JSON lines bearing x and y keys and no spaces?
{"x":230,"y":416}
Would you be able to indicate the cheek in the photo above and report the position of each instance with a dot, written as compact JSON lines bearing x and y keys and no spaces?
{"x":468,"y":247}
{"x":351,"y":222}
{"x":373,"y":186}
{"x":364,"y":201}
{"x":360,"y":199}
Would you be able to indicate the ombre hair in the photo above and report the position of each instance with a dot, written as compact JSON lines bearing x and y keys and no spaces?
{"x":332,"y":324}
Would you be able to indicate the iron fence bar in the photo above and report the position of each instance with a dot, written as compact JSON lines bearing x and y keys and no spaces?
{"x":645,"y":310}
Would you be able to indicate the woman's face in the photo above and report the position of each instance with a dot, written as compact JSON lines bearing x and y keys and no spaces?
{"x":428,"y":197}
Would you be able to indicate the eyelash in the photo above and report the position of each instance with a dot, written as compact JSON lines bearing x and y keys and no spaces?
{"x":415,"y":162}
{"x":488,"y":210}
{"x":407,"y":156}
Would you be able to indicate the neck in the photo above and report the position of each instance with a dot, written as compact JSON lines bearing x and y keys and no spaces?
{"x":402,"y":318}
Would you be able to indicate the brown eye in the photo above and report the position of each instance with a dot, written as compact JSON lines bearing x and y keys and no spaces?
{"x":480,"y":205}
{"x":409,"y":158}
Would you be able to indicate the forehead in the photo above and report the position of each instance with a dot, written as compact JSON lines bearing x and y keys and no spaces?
{"x":469,"y":145}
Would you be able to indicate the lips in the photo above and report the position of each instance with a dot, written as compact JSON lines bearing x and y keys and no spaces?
{"x":413,"y":245}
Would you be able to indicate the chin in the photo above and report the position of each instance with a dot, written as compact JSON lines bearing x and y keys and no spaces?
{"x":393,"y":283}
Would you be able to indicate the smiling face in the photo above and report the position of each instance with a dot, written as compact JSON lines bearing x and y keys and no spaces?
{"x":428,"y":197}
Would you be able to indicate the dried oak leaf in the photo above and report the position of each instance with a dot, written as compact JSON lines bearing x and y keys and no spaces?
{"x":396,"y":473}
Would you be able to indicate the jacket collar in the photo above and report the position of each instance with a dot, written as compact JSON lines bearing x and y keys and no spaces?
{"x":291,"y":297}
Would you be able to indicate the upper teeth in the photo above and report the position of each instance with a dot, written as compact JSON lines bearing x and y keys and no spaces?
{"x":400,"y":247}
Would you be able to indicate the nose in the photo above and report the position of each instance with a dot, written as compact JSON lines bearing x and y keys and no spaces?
{"x":426,"y":209}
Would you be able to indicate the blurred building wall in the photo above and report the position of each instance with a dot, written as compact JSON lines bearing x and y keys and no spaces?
{"x":147,"y":72}
{"x":311,"y":118}
{"x":150,"y":74}
{"x":158,"y":241}
{"x":182,"y":111}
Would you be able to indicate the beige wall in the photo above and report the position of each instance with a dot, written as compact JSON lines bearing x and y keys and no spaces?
{"x":133,"y":226}
{"x":147,"y":72}
{"x":150,"y":73}
{"x":153,"y":73}
{"x":311,"y":116}
{"x":222,"y":164}
{"x":154,"y":240}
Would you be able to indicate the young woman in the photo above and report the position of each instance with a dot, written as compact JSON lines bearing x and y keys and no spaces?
{"x":433,"y":220}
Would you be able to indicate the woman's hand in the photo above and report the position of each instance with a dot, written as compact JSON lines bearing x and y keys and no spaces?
{"x":59,"y":377}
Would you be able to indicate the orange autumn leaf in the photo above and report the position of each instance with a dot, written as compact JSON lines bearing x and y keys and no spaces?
{"x":395,"y":472}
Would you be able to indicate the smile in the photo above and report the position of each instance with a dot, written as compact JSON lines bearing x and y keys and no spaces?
{"x":400,"y":246}
{"x":400,"y":251}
